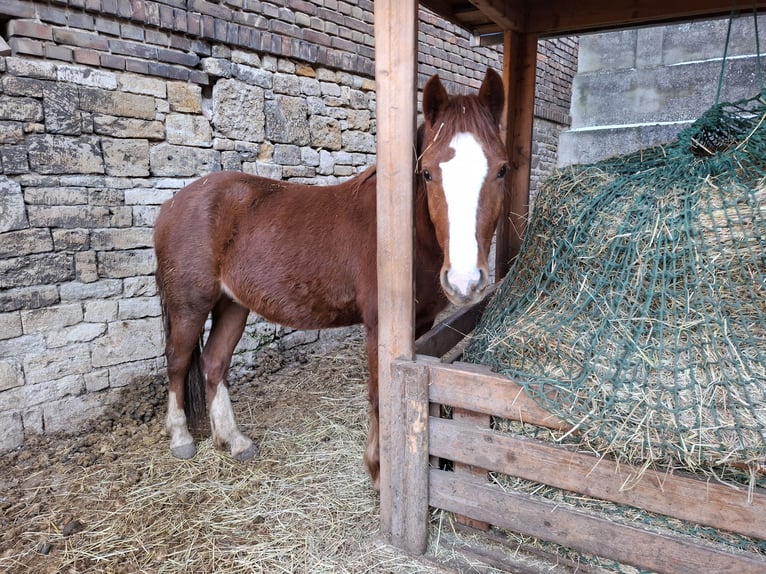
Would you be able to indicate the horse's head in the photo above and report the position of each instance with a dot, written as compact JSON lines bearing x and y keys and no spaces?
{"x":463,"y":163}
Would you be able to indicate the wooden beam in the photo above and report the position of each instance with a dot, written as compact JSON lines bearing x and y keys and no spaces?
{"x":505,"y":15}
{"x":686,"y":498}
{"x":477,"y":388}
{"x":395,"y":77}
{"x":556,"y":17}
{"x":548,"y":520}
{"x":519,"y":67}
{"x":409,"y":460}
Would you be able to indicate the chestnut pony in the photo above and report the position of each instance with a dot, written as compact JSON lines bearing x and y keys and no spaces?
{"x":305,"y":257}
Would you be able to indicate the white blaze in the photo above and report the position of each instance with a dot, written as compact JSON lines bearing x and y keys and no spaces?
{"x":462,"y":178}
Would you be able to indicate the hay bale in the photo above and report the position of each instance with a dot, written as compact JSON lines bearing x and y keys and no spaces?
{"x":636,"y":310}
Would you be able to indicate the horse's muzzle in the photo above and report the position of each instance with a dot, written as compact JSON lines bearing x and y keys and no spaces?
{"x":464,"y":288}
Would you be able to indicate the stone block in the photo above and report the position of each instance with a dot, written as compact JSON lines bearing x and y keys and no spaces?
{"x":20,"y":109}
{"x":69,"y":216}
{"x":11,"y":132}
{"x":131,"y":238}
{"x":64,"y":154}
{"x":12,"y":210}
{"x":11,"y":375}
{"x":139,"y":308}
{"x":145,"y":215}
{"x":357,"y":141}
{"x":41,"y":269}
{"x":286,"y":84}
{"x":120,"y":264}
{"x":70,"y":239}
{"x":174,"y":160}
{"x":325,"y":133}
{"x":97,"y":380}
{"x":140,"y":286}
{"x":358,"y":120}
{"x":114,"y":103}
{"x":39,"y":320}
{"x":16,"y":298}
{"x":238,"y":110}
{"x":137,"y":84}
{"x":126,"y":157}
{"x":13,"y":430}
{"x":133,"y":373}
{"x":80,"y":333}
{"x":263,"y":169}
{"x":86,"y":267}
{"x":217,"y":67}
{"x":68,"y":413}
{"x":57,"y":371}
{"x":25,"y":242}
{"x":186,"y":129}
{"x":128,"y":127}
{"x":20,"y":346}
{"x":287,"y":154}
{"x":101,"y":310}
{"x":13,"y":159}
{"x":86,"y":77}
{"x":184,"y":97}
{"x":10,"y":325}
{"x":147,"y":196}
{"x":53,"y":196}
{"x":127,"y":341}
{"x":31,"y":68}
{"x":62,"y":115}
{"x":287,"y":120}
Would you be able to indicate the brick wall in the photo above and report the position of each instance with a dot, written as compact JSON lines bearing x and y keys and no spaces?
{"x":107,"y":107}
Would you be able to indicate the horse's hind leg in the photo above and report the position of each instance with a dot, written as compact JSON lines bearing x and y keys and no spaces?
{"x":229,"y":319}
{"x":180,"y":346}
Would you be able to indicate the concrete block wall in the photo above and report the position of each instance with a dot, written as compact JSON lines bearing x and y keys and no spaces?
{"x":639,"y":87}
{"x":107,"y":108}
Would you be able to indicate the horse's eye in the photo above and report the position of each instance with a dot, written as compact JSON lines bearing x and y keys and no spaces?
{"x":502,"y":171}
{"x":427,"y":175}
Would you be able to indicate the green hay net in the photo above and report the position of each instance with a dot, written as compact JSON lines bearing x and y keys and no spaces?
{"x":636,"y":310}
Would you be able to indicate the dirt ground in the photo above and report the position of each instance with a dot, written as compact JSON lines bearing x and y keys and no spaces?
{"x":111,"y":499}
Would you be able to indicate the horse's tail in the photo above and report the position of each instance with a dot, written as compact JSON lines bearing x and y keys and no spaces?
{"x":194,"y":383}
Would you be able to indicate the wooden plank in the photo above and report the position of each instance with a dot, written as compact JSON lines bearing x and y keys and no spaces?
{"x":409,"y":461}
{"x":533,"y":516}
{"x":449,"y":332}
{"x":395,"y":76}
{"x":556,"y":17}
{"x":682,"y":497}
{"x":478,"y":389}
{"x":473,"y":420}
{"x":559,"y":17}
{"x":519,"y":66}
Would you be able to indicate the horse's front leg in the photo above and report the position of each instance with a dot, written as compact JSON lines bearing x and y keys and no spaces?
{"x":229,"y":319}
{"x":372,"y":452}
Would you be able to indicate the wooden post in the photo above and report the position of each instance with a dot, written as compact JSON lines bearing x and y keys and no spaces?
{"x":519,"y":67}
{"x":395,"y":76}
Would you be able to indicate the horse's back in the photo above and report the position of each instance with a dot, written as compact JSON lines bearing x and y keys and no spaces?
{"x":299,"y":255}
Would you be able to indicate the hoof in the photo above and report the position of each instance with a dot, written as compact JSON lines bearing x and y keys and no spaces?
{"x":247,"y":454}
{"x":184,"y":451}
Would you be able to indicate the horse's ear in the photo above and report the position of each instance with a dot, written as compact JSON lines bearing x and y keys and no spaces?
{"x":435,"y":99}
{"x":492,"y":94}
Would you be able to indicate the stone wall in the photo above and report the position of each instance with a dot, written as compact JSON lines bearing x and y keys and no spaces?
{"x":639,"y":87}
{"x":107,"y":107}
